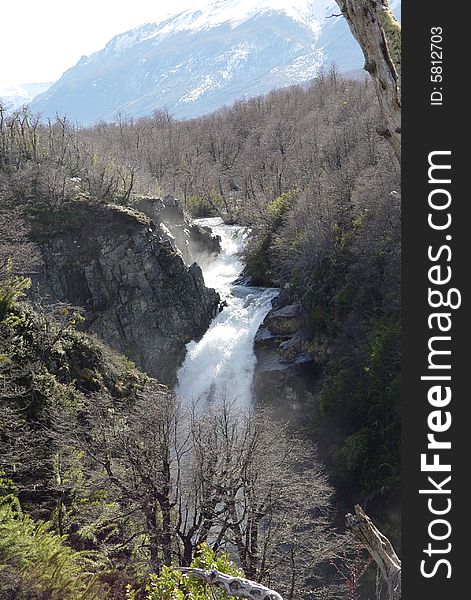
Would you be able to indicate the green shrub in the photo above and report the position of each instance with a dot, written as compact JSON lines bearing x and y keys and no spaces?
{"x":259,"y":254}
{"x":278,"y":207}
{"x":199,"y":207}
{"x":172,"y":584}
{"x":35,"y":562}
{"x":12,"y":287}
{"x":362,"y":396}
{"x":257,"y":262}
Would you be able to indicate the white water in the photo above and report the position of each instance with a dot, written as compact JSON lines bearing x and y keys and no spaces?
{"x":221,"y":365}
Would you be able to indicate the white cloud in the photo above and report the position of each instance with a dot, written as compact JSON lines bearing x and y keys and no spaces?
{"x":40,"y":39}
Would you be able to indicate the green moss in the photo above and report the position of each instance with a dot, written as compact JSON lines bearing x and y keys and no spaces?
{"x":268,"y":239}
{"x":78,"y":214}
{"x":131,"y":213}
{"x":392,"y":32}
{"x":342,"y":237}
{"x":47,"y":220}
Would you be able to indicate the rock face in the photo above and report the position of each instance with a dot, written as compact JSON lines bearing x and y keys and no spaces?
{"x":194,"y":242}
{"x":285,"y":366}
{"x":285,"y":321}
{"x":137,"y":293}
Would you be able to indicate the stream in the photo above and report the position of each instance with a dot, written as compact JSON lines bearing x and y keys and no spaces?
{"x":221,"y":365}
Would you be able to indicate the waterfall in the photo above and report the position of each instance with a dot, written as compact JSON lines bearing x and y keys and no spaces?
{"x":221,"y":365}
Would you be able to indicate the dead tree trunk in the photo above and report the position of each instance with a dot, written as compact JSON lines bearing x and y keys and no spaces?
{"x":379,"y":34}
{"x":381,"y":550}
{"x":233,"y":586}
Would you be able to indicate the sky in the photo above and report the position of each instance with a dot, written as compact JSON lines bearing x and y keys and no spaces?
{"x":40,"y":39}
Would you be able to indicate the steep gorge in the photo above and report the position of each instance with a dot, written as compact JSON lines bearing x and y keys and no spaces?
{"x":221,"y":366}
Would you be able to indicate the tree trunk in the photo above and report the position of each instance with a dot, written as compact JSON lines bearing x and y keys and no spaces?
{"x":166,"y":530}
{"x":379,"y":35}
{"x":380,"y":549}
{"x":154,"y":540}
{"x":187,"y":552}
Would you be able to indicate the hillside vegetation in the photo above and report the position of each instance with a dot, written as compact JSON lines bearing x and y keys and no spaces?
{"x":107,"y":482}
{"x":306,"y":170}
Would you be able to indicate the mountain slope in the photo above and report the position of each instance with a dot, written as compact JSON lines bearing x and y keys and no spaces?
{"x":199,"y":60}
{"x":18,"y":95}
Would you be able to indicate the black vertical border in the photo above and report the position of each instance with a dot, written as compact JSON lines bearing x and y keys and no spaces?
{"x":427,"y":128}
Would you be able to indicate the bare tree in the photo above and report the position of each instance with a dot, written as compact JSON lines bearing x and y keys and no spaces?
{"x":259,"y":473}
{"x":380,"y":549}
{"x":237,"y":482}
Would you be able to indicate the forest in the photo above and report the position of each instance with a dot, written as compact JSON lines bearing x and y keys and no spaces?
{"x":102,"y":497}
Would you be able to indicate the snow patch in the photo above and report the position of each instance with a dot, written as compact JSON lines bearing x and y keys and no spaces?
{"x":234,"y":58}
{"x":206,"y":84}
{"x":235,"y":12}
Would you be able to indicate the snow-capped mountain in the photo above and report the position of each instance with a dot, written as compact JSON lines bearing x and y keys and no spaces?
{"x":18,"y":95}
{"x":201,"y":59}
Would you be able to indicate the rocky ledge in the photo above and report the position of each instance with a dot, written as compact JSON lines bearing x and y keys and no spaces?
{"x":194,"y":242}
{"x":285,"y":366}
{"x":136,"y":292}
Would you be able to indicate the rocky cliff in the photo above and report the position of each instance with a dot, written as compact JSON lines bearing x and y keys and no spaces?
{"x":194,"y":242}
{"x":136,"y":292}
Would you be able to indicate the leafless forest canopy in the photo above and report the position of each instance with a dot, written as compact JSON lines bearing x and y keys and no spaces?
{"x":137,"y":490}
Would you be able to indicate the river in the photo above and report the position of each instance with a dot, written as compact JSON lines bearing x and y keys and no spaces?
{"x":221,"y":365}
